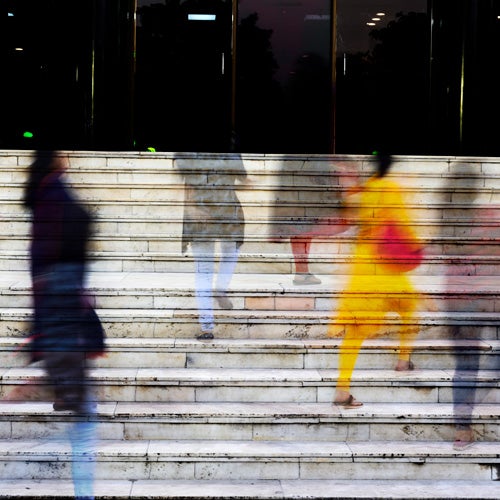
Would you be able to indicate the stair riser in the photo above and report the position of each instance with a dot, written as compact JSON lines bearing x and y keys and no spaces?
{"x":188,"y":328}
{"x":215,"y":469}
{"x":315,"y":300}
{"x":259,"y":230}
{"x":298,"y":429}
{"x":167,"y":264}
{"x":377,"y":392}
{"x":367,"y":359}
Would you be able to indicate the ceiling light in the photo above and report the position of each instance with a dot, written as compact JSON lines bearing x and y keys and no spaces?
{"x":370,"y":24}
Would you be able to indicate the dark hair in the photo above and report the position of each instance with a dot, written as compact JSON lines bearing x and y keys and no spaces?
{"x":384,"y":162}
{"x":39,"y":169}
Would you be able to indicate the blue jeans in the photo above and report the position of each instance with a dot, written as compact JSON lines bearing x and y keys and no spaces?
{"x":204,"y":256}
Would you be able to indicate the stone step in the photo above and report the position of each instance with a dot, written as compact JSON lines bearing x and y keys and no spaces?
{"x":275,"y":421}
{"x":252,"y":460}
{"x":271,"y":421}
{"x":292,"y":175}
{"x":326,"y":489}
{"x":323,"y":264}
{"x":433,"y":218}
{"x":258,"y":206}
{"x":124,"y":166}
{"x":165,"y":246}
{"x":250,"y":292}
{"x":290,"y":190}
{"x":306,"y":174}
{"x":428,"y":220}
{"x":165,"y":323}
{"x":268,"y":353}
{"x":139,"y":384}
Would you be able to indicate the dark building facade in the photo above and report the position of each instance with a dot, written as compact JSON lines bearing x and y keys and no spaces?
{"x":266,"y":76}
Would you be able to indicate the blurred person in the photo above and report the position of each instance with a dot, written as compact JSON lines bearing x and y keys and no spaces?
{"x":480,"y":223}
{"x":213,"y":219}
{"x":66,"y":330}
{"x":378,"y":283}
{"x":301,"y":229}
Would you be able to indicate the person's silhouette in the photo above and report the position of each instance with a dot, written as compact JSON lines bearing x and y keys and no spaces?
{"x":212,"y":214}
{"x":67,"y":330}
{"x":376,"y":284}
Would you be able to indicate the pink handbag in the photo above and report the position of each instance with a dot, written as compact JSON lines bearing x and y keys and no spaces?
{"x":398,"y":248}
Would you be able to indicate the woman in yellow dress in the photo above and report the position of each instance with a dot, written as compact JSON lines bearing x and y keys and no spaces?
{"x":377,"y":285}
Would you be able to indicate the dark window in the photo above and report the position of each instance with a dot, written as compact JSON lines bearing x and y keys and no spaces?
{"x":183,"y":75}
{"x":45,"y":57}
{"x":284,"y":76}
{"x":382,"y":76}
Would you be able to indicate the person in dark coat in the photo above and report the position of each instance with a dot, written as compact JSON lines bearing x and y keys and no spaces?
{"x":66,"y":329}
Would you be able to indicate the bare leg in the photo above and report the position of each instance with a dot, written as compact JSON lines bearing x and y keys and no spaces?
{"x":300,"y":250}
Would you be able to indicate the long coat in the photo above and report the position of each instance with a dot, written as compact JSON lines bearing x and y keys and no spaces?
{"x":63,"y":319}
{"x":212,"y":210}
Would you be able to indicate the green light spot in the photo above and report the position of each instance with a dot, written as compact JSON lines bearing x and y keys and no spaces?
{"x":151,"y":150}
{"x":28,"y":134}
{"x":375,"y":153}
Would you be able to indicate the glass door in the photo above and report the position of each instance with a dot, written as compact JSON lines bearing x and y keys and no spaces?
{"x":284,"y":76}
{"x":183,"y":75}
{"x":45,"y":54}
{"x":382,"y":76}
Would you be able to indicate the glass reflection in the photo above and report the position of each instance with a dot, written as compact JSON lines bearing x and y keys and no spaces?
{"x":283,"y":87}
{"x":382,"y":71}
{"x":183,"y":75}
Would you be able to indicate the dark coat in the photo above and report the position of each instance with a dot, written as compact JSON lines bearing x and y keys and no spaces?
{"x":64,"y":320}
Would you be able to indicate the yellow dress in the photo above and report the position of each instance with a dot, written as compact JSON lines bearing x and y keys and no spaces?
{"x":373,"y":289}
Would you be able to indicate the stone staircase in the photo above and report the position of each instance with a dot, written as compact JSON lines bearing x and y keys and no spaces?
{"x":249,"y":415}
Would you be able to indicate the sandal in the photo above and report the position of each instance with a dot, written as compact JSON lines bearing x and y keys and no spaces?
{"x":349,"y":403}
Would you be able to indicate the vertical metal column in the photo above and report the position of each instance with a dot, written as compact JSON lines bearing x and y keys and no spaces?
{"x":333,"y":23}
{"x":234,"y":27}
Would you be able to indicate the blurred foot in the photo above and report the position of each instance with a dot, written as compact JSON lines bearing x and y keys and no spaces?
{"x":61,"y":405}
{"x":205,"y":336}
{"x":306,"y":279}
{"x":349,"y":403}
{"x":346,"y":400}
{"x":404,"y":366}
{"x":464,"y":438}
{"x":223,"y":301}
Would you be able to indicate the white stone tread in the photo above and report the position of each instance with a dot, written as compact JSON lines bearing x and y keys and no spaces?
{"x":258,"y":489}
{"x":267,"y":451}
{"x":255,"y":412}
{"x":271,"y":345}
{"x":246,"y":281}
{"x":264,"y":376}
{"x":309,"y":317}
